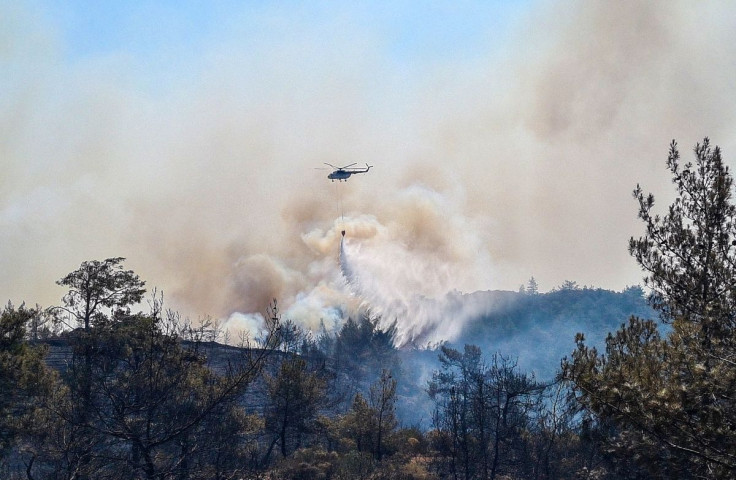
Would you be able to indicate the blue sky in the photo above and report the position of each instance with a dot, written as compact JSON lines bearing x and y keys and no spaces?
{"x":410,"y":29}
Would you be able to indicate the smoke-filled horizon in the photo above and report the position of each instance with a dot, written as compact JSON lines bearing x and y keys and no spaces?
{"x":507,"y":151}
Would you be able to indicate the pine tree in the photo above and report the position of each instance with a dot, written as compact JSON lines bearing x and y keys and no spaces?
{"x":295,"y":395}
{"x":671,"y":398}
{"x":24,"y":378}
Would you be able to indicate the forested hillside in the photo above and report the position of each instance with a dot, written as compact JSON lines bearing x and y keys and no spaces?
{"x":90,"y":389}
{"x":535,"y":330}
{"x":540,"y":328}
{"x":148,"y":395}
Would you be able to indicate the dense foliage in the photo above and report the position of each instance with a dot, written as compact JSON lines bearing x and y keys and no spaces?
{"x":669,"y":398}
{"x":146,"y":395}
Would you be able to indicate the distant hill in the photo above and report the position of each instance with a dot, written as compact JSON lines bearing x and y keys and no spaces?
{"x":538,"y":330}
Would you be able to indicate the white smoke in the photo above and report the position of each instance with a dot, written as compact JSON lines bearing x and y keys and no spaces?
{"x":242,"y":326}
{"x":407,"y":268}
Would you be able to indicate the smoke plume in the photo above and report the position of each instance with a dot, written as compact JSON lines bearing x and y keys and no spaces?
{"x":196,"y":162}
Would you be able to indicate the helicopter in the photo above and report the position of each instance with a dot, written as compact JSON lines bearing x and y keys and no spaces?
{"x":343,"y":173}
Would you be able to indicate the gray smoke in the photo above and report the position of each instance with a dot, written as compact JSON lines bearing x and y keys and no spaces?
{"x":517,"y":160}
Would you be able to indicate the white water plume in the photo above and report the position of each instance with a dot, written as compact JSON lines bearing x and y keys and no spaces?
{"x":409,"y":289}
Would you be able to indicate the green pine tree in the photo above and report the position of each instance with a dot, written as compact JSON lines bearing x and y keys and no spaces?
{"x":670,"y":398}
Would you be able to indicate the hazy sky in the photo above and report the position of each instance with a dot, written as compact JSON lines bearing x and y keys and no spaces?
{"x":506,"y":137}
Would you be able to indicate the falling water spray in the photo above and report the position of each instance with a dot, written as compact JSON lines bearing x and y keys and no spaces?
{"x":398,"y":287}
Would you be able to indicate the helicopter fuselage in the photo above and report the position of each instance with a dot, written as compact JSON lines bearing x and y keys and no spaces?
{"x":339,"y":175}
{"x":342,"y":174}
